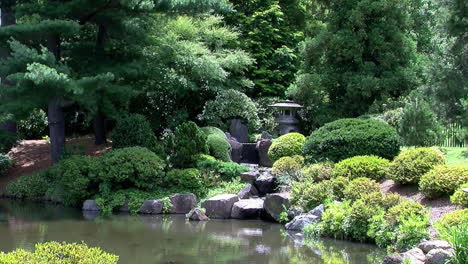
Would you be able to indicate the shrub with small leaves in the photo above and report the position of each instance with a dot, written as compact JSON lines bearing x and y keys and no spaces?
{"x":359,"y":187}
{"x":411,"y":164}
{"x":460,"y":196}
{"x":224,"y":170}
{"x":219,"y":147}
{"x":317,"y":172}
{"x":5,"y":163}
{"x":308,"y":195}
{"x":450,"y":220}
{"x":186,"y":143}
{"x":132,"y":131}
{"x":290,"y":166}
{"x":443,"y":180}
{"x":371,"y":167}
{"x":355,"y":224}
{"x":32,"y":186}
{"x":333,"y":219}
{"x":34,"y":126}
{"x":287,"y":145}
{"x":189,"y":180}
{"x":213,"y":131}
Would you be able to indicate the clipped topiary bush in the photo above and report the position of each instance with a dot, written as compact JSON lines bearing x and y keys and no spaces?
{"x":219,"y":147}
{"x":133,"y":131}
{"x":54,"y":252}
{"x":7,"y":141}
{"x":290,"y":166}
{"x":188,"y":180}
{"x":443,"y":180}
{"x":359,"y":187}
{"x":411,"y":164}
{"x":34,"y":126}
{"x":371,"y":167}
{"x":317,"y":172}
{"x":209,"y":130}
{"x":186,"y":143}
{"x":287,"y":145}
{"x":5,"y":163}
{"x":132,"y":167}
{"x":346,"y":138}
{"x":450,"y":220}
{"x":460,"y":197}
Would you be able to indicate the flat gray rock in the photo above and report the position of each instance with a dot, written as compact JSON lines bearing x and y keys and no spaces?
{"x":197,"y":215}
{"x":247,"y":192}
{"x":247,"y":209}
{"x":220,"y":206}
{"x":266,"y":183}
{"x":299,"y":222}
{"x":151,"y":207}
{"x":249,"y":176}
{"x":392,"y":259}
{"x":275,"y":203}
{"x":183,"y":203}
{"x":438,"y":256}
{"x":433,"y":244}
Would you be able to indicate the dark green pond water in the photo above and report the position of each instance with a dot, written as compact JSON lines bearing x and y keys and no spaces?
{"x":171,"y":239}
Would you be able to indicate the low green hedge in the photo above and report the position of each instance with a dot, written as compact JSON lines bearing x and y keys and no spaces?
{"x":346,"y":138}
{"x":286,"y":145}
{"x":411,"y":164}
{"x":371,"y":167}
{"x":443,"y":180}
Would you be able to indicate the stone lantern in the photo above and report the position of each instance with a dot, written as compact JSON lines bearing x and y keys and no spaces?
{"x":287,"y":121}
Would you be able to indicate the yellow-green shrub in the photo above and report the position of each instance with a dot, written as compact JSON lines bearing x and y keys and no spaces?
{"x":460,"y":197}
{"x":308,"y":195}
{"x":359,"y":187}
{"x":371,"y":167}
{"x":452,"y":219}
{"x":287,"y":145}
{"x":288,"y":166}
{"x":443,"y":180}
{"x":317,"y":172}
{"x":54,"y":253}
{"x":411,"y":164}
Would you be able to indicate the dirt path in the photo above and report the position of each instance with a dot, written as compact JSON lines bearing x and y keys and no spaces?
{"x":30,"y":156}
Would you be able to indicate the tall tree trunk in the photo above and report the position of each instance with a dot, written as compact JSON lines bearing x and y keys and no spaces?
{"x":99,"y":124}
{"x":56,"y":119}
{"x":99,"y":120}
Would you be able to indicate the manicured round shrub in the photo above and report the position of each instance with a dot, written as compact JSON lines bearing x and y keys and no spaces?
{"x":450,"y":220}
{"x":359,"y":187}
{"x":317,"y":172}
{"x":290,"y":166}
{"x":186,"y":143}
{"x":54,"y":252}
{"x":371,"y":167}
{"x":443,"y":180}
{"x":213,"y":131}
{"x":219,"y":147}
{"x":132,"y":167}
{"x":460,"y":197}
{"x":7,"y":141}
{"x":346,"y":138}
{"x":34,"y":126}
{"x":132,"y":131}
{"x":187,"y":180}
{"x":5,"y":163}
{"x":287,"y":145}
{"x":411,"y":164}
{"x":228,"y":105}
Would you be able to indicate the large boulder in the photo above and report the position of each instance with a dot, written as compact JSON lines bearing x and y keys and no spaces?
{"x":197,"y":215}
{"x":275,"y":204}
{"x":239,"y":131}
{"x":183,"y":203}
{"x":151,"y":207}
{"x":249,"y":176}
{"x":438,"y":256}
{"x":236,"y":149}
{"x":91,"y":205}
{"x":220,"y":206}
{"x":266,"y":183}
{"x":427,"y":246}
{"x":262,"y":148}
{"x":392,"y":259}
{"x":247,"y":192}
{"x":318,"y":211}
{"x":299,"y":222}
{"x":247,"y":209}
{"x":414,"y":256}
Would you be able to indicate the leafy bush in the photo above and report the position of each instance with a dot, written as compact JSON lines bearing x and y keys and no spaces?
{"x":371,"y":167}
{"x":219,"y":147}
{"x":317,"y":172}
{"x":5,"y":163}
{"x":133,"y":131}
{"x":266,"y":113}
{"x":443,"y":180}
{"x":308,"y":195}
{"x":359,"y":187}
{"x":460,"y":197}
{"x":213,"y":131}
{"x":230,"y":187}
{"x":339,"y":184}
{"x":384,"y":201}
{"x":458,"y":237}
{"x":54,"y":252}
{"x":189,"y":180}
{"x":228,"y":105}
{"x":355,"y":224}
{"x":34,"y":126}
{"x":333,"y":219}
{"x":7,"y":141}
{"x":32,"y":186}
{"x":450,"y":220}
{"x":287,"y":145}
{"x":186,"y":143}
{"x":224,"y":170}
{"x":346,"y":138}
{"x":290,"y":166}
{"x":132,"y":167}
{"x":411,"y":164}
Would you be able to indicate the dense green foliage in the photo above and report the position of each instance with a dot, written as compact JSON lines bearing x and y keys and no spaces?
{"x":347,"y":138}
{"x":226,"y":171}
{"x":34,"y":126}
{"x":189,"y":180}
{"x":219,"y":147}
{"x":228,"y":105}
{"x":371,"y":167}
{"x":460,"y":197}
{"x":54,"y":253}
{"x":317,"y":172}
{"x":443,"y":180}
{"x":7,"y":141}
{"x":288,"y":169}
{"x":185,"y":144}
{"x":358,"y":187}
{"x":33,"y":186}
{"x":450,"y":220}
{"x":133,"y":131}
{"x":213,"y":131}
{"x":411,"y":164}
{"x":5,"y":163}
{"x":286,"y":145}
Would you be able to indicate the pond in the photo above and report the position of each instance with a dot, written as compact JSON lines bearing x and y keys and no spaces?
{"x":171,"y":239}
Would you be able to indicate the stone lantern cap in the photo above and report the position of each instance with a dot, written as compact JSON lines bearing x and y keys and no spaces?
{"x":286,"y":104}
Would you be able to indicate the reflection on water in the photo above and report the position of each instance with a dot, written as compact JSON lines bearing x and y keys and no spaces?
{"x":171,"y":239}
